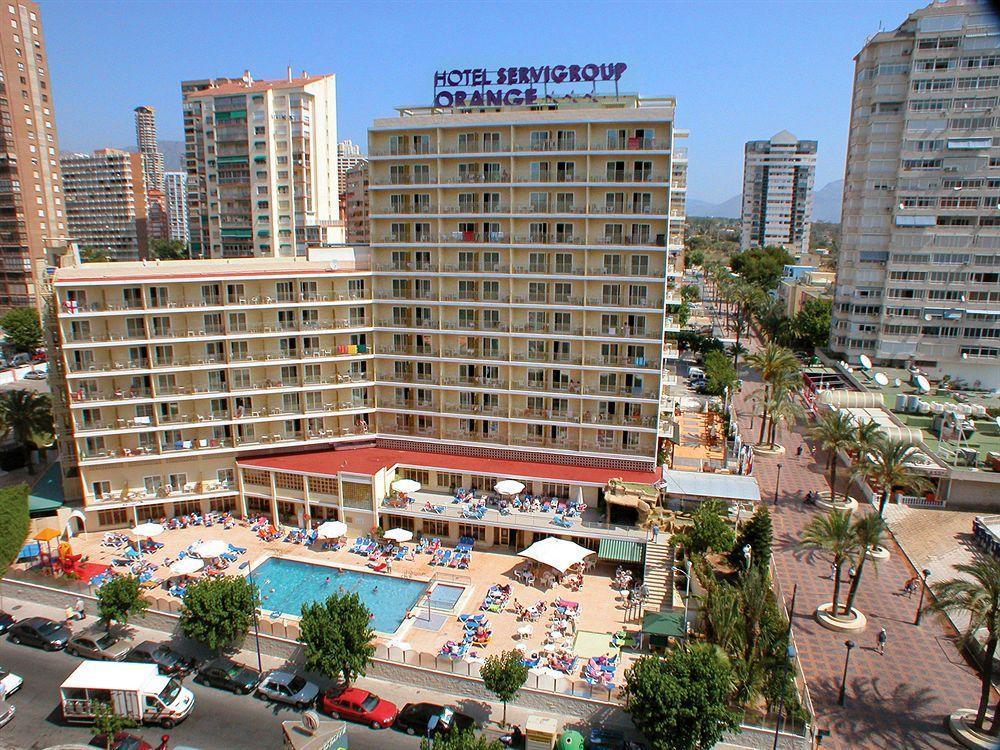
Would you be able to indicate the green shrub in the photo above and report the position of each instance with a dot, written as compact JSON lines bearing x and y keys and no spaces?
{"x":14,"y":523}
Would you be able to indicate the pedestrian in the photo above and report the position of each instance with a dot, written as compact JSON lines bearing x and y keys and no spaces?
{"x":882,"y":638}
{"x":851,"y":573}
{"x":79,"y":610}
{"x":798,"y":451}
{"x":833,"y":571}
{"x":656,"y":531}
{"x":910,"y":587}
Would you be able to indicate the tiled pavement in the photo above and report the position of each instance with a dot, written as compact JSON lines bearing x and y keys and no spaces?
{"x":897,"y":700}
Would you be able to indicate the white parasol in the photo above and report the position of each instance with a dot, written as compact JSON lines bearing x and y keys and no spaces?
{"x":331,"y":530}
{"x":556,"y":553}
{"x":211,"y":548}
{"x":186,"y":566}
{"x":144,"y":530}
{"x":398,"y":535}
{"x":508,"y":487}
{"x":406,"y":486}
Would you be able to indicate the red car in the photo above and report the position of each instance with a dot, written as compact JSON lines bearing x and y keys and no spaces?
{"x":358,"y":705}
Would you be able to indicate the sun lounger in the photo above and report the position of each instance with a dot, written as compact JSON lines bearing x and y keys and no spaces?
{"x":401,"y":553}
{"x":378,"y":567}
{"x":237,"y":550}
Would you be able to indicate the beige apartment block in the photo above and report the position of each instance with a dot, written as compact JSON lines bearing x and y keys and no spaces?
{"x":526,"y":268}
{"x":262,"y":162}
{"x":356,"y":206}
{"x":918,"y":274}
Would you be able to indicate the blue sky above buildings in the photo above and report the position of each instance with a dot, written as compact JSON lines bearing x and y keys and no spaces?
{"x":739,"y":70}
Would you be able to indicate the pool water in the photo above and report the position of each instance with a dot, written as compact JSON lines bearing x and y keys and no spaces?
{"x":285,"y":585}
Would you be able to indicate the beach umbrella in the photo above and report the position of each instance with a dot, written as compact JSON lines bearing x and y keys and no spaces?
{"x":144,"y":530}
{"x":556,"y":553}
{"x":211,"y":548}
{"x":398,"y":535}
{"x":331,"y":530}
{"x":508,"y":487}
{"x":186,"y":566}
{"x":406,"y":486}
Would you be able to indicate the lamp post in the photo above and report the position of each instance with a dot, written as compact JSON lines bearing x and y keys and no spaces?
{"x":842,"y":700}
{"x":789,"y":658}
{"x":687,"y":591}
{"x":777,"y":485}
{"x":256,"y":629}
{"x":923,"y":587}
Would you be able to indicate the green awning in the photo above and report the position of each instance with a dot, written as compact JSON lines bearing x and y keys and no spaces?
{"x":621,"y":550}
{"x":47,"y":495}
{"x":667,"y":623}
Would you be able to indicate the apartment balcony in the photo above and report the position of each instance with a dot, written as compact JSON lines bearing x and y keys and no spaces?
{"x":389,"y":294}
{"x":551,"y":269}
{"x":562,"y":178}
{"x":553,"y":415}
{"x":413,"y":404}
{"x":623,"y":209}
{"x":407,"y":377}
{"x":473,"y":410}
{"x":415,"y":351}
{"x":475,"y":208}
{"x":546,"y":328}
{"x":629,"y":177}
{"x":629,"y":332}
{"x":620,"y":420}
{"x":654,"y":303}
{"x":190,"y":491}
{"x":558,"y":209}
{"x":547,"y":357}
{"x":476,"y":298}
{"x":422,"y":432}
{"x":473,"y":268}
{"x":403,"y":180}
{"x":620,"y":392}
{"x":466,"y":353}
{"x":418,"y":323}
{"x":613,"y":361}
{"x":279,"y":355}
{"x":407,"y":150}
{"x":608,"y":446}
{"x":474,"y":437}
{"x":534,"y":386}
{"x":474,"y":325}
{"x":474,"y":381}
{"x":404,"y":267}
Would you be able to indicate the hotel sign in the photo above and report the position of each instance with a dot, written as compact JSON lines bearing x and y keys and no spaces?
{"x":479,"y":87}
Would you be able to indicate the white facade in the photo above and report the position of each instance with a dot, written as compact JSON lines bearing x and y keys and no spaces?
{"x":918,"y":277}
{"x":175,"y":191}
{"x":778,"y":178}
{"x":349,"y":156}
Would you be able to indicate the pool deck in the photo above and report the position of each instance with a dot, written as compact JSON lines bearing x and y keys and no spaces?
{"x":601,"y":611}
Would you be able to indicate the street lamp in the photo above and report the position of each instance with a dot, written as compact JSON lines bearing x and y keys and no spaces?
{"x":777,"y":485}
{"x":789,"y":658}
{"x":923,"y":587}
{"x":687,"y":592}
{"x":842,"y":700}
{"x":256,"y":630}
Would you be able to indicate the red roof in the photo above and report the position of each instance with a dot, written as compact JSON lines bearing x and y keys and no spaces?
{"x":239,"y":87}
{"x":368,"y":461}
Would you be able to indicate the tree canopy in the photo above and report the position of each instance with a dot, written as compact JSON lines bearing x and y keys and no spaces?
{"x":761,"y":266}
{"x":466,"y":739}
{"x":503,"y":675}
{"x":719,"y":373}
{"x":709,"y":532}
{"x":810,"y":326}
{"x":22,"y":328}
{"x":338,"y":636}
{"x":681,"y":702}
{"x":218,"y":611}
{"x":96,"y":255}
{"x":26,"y":416}
{"x":14,"y":523}
{"x":168,"y":249}
{"x":758,"y":533}
{"x":119,"y":599}
{"x":109,"y":722}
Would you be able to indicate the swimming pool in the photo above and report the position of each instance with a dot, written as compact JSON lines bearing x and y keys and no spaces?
{"x":285,"y":585}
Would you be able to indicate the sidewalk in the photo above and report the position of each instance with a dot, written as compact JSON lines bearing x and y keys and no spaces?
{"x":900,"y":699}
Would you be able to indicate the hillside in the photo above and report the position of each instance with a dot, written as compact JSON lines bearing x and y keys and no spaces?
{"x":826,"y":204}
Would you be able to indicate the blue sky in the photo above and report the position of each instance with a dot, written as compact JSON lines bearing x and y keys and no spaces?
{"x":739,"y":70}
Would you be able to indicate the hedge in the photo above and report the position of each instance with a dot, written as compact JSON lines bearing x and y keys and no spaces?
{"x":14,"y":523}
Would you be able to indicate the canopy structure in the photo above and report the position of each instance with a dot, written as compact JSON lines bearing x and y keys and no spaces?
{"x":398,"y":535}
{"x":659,"y":627}
{"x":621,"y":550}
{"x":556,"y":553}
{"x":47,"y":535}
{"x":144,"y":530}
{"x":331,"y":530}
{"x":508,"y":487}
{"x":186,"y":566}
{"x":211,"y":548}
{"x":698,"y":486}
{"x":406,"y":486}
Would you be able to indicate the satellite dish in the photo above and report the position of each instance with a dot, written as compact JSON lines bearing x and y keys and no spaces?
{"x":881,"y":378}
{"x":310,"y":721}
{"x":923,"y":385}
{"x":865,"y":361}
{"x":897,"y":382}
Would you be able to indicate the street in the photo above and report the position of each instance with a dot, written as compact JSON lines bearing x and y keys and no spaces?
{"x":220,"y":721}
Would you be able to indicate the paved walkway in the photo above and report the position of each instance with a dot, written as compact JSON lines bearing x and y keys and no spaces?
{"x":900,"y":699}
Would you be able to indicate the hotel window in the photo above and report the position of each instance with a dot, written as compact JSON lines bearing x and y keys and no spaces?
{"x":101,"y":489}
{"x":491,"y":291}
{"x":566,"y":140}
{"x":565,"y":171}
{"x":223,"y":504}
{"x":436,"y":528}
{"x":161,"y":327}
{"x":323,"y":485}
{"x":116,"y":517}
{"x":255,"y":506}
{"x":476,"y":532}
{"x":491,"y":142}
{"x":539,"y":140}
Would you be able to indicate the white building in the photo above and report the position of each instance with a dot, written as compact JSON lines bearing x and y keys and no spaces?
{"x":778,"y":178}
{"x":349,"y":156}
{"x":175,"y":191}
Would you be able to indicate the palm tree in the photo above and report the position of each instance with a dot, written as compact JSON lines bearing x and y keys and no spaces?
{"x":27,"y":417}
{"x":832,"y":533}
{"x":869,"y":533}
{"x":784,"y":406}
{"x":889,"y":463}
{"x":977,"y":595}
{"x":834,"y":432}
{"x":773,"y":362}
{"x":864,"y":437}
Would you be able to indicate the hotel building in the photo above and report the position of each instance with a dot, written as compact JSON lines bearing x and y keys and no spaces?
{"x":508,"y":321}
{"x":918,"y":276}
{"x":31,"y":201}
{"x":778,"y":177}
{"x":262,"y":161}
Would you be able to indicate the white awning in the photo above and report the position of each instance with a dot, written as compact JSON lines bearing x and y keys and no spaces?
{"x":211,"y":548}
{"x":186,"y":566}
{"x":331,"y":530}
{"x":508,"y":487}
{"x":398,"y":535}
{"x":556,"y":553}
{"x":144,"y":530}
{"x":405,"y":486}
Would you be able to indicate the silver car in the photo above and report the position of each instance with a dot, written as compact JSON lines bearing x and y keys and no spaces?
{"x":288,"y":687}
{"x":99,"y":644}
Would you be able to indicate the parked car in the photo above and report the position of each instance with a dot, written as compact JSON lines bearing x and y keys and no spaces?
{"x":358,"y":705}
{"x":160,"y":654}
{"x":229,"y":675}
{"x":122,"y":741}
{"x":19,"y":360}
{"x":6,"y":712}
{"x":40,"y":355}
{"x":284,"y":686}
{"x":35,"y":375}
{"x":6,"y":620}
{"x":97,"y":643}
{"x":40,"y":632}
{"x":9,"y":682}
{"x":431,"y":719}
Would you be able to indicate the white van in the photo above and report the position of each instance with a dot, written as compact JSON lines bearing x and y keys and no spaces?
{"x":137,"y":691}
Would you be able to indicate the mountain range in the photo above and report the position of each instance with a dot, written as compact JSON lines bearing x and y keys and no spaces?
{"x":826,"y":204}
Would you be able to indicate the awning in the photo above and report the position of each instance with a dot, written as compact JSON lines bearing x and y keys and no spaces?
{"x":621,"y":550}
{"x":664,"y":624}
{"x":556,"y":553}
{"x":46,"y":496}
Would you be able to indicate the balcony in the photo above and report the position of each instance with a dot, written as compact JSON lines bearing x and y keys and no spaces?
{"x":466,"y":353}
{"x":613,"y":361}
{"x":620,"y":420}
{"x":423,"y":323}
{"x":629,"y":177}
{"x":550,"y":357}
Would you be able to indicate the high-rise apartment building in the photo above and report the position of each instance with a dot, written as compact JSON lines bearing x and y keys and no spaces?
{"x":31,"y":201}
{"x":525,"y":269}
{"x":918,"y":277}
{"x":778,"y":178}
{"x":175,"y":196}
{"x":356,"y":218}
{"x":106,"y":205}
{"x":149,"y":147}
{"x":262,"y":163}
{"x":348,"y":157}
